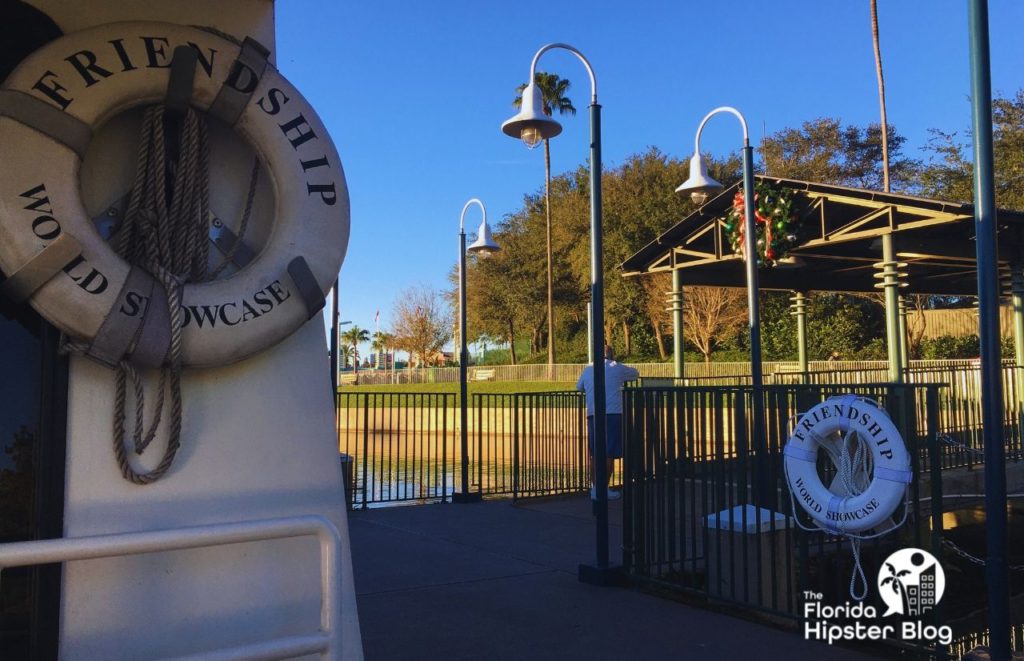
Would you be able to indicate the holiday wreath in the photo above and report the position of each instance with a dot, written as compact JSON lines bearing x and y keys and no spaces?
{"x":774,"y":221}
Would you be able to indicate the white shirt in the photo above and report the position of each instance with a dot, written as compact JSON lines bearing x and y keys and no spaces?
{"x":615,"y":376}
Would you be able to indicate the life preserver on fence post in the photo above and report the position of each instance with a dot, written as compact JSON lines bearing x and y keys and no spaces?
{"x":51,"y":105}
{"x":890,"y":475}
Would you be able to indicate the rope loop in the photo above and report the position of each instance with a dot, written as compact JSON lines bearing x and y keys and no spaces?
{"x":164,"y":231}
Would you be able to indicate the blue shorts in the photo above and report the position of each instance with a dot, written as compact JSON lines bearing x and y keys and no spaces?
{"x":612,"y":429}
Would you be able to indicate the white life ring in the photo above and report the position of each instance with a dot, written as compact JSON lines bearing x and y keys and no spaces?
{"x":891,"y":473}
{"x":49,"y":108}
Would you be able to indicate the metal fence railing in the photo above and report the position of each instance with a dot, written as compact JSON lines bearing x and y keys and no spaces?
{"x":570,"y":372}
{"x":406,"y":446}
{"x":531,"y":444}
{"x":959,"y":405}
{"x":402,"y":445}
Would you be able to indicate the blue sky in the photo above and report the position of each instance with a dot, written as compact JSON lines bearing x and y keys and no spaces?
{"x":414,"y":92}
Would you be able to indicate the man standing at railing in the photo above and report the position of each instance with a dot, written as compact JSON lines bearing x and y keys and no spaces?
{"x":615,"y":376}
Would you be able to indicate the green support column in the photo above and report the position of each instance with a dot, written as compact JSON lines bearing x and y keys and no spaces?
{"x":676,"y":307}
{"x":889,"y":274}
{"x":904,"y":340}
{"x":799,"y":310}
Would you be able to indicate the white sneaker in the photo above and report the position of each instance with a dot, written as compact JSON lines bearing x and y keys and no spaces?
{"x":614,"y":495}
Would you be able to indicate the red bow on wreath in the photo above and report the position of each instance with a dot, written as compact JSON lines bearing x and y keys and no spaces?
{"x":737,"y":204}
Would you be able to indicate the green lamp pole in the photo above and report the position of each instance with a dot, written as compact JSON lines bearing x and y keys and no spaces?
{"x":483,"y":246}
{"x":700,"y":185}
{"x":996,"y":569}
{"x":532,"y":126}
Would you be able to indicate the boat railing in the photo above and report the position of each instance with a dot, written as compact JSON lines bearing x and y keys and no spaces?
{"x":326,"y":641}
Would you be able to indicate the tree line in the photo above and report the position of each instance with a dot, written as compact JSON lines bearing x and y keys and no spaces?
{"x":507,"y":292}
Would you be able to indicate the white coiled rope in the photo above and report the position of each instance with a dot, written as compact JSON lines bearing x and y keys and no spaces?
{"x":852,"y":460}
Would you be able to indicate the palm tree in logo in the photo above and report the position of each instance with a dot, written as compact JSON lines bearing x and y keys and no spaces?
{"x":897,"y":585}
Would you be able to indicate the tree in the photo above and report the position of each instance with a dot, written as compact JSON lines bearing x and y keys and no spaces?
{"x":949,"y":172}
{"x":422,"y":323}
{"x":380,"y":343}
{"x":656,"y":287}
{"x":917,"y":323}
{"x":712,"y":315}
{"x":640,"y":202}
{"x":553,"y":97}
{"x":505,"y":291}
{"x":825,"y":151}
{"x":353,"y":337}
{"x":842,"y":322}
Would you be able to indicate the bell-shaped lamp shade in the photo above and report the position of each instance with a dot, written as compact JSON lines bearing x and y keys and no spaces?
{"x":700,"y":186}
{"x":484,"y":244}
{"x":530,"y":124}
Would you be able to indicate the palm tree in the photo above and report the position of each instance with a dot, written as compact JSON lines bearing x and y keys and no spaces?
{"x":897,"y":584}
{"x":553,"y":97}
{"x":382,"y":341}
{"x":904,"y":342}
{"x":881,"y":95}
{"x":353,"y":337}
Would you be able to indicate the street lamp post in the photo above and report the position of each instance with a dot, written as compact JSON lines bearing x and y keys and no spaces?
{"x":532,"y":126}
{"x":700,"y":185}
{"x":987,"y":251}
{"x":484,"y":245}
{"x":336,"y":325}
{"x":335,"y":365}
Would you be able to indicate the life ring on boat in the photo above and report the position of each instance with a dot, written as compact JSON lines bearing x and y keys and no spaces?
{"x":890,"y":476}
{"x":54,"y":258}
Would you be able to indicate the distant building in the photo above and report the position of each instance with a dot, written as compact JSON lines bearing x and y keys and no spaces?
{"x":386,"y":360}
{"x":437,"y":359}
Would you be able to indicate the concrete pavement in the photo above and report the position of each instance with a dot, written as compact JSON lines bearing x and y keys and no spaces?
{"x":497,"y":580}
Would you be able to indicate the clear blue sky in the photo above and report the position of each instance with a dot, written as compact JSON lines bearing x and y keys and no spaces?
{"x":414,"y":92}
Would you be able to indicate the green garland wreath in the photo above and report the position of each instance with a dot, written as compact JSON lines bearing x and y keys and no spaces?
{"x":773,"y":218}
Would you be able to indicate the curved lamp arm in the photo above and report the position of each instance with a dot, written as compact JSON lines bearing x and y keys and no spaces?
{"x":590,"y":69}
{"x":462,"y":218}
{"x":728,"y":109}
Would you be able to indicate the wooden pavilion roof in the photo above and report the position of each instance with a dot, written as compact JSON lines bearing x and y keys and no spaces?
{"x":840,"y":230}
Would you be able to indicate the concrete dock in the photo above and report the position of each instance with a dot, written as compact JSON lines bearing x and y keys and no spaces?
{"x":498,"y":580}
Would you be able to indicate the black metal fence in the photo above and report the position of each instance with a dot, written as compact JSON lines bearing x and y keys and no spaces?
{"x":708,"y":512}
{"x":959,"y":400}
{"x":405,"y":446}
{"x":401,"y":444}
{"x":530,"y":444}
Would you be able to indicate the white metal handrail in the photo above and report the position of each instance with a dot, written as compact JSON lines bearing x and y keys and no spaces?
{"x":326,"y":642}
